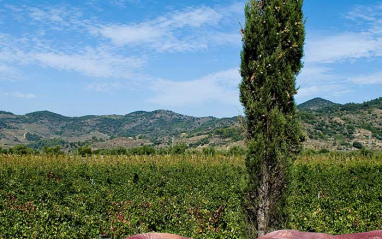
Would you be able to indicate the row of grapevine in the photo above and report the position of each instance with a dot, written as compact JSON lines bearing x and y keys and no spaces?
{"x":113,"y":197}
{"x":192,"y":195}
{"x":336,"y":193}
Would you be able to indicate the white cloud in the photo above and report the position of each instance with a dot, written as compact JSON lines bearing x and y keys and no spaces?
{"x":220,"y":87}
{"x":91,"y":63}
{"x":312,"y":72}
{"x":224,"y":38}
{"x":187,"y":30}
{"x":191,"y":29}
{"x":50,"y":16}
{"x":121,"y":35}
{"x":118,"y":3}
{"x":363,"y":41}
{"x":317,"y":80}
{"x":307,"y":92}
{"x":9,"y":73}
{"x":342,"y":47}
{"x":103,"y":62}
{"x":20,"y":95}
{"x":326,"y":91}
{"x":191,"y":17}
{"x":375,"y":78}
{"x":325,"y":51}
{"x":369,"y":13}
{"x":57,"y":17}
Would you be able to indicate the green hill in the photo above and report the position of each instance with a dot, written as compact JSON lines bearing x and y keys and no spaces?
{"x":316,"y":103}
{"x":327,"y":125}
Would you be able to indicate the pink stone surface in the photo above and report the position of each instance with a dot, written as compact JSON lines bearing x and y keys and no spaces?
{"x":293,"y":234}
{"x":282,"y":234}
{"x":156,"y":236}
{"x":362,"y":235}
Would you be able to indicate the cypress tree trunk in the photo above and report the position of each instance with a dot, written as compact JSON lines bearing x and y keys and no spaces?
{"x":273,"y":40}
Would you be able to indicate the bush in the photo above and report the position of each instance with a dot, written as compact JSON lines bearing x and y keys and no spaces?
{"x":179,"y":149}
{"x":357,"y":145}
{"x":21,"y":149}
{"x":84,"y":150}
{"x":53,"y":150}
{"x":365,"y":152}
{"x":236,"y":151}
{"x":144,"y":150}
{"x":323,"y":151}
{"x":209,"y":151}
{"x":308,"y":151}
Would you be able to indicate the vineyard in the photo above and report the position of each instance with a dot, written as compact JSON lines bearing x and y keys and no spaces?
{"x":337,"y":193}
{"x":197,"y":196}
{"x":75,"y":197}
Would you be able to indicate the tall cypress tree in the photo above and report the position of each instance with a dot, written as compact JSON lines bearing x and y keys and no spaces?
{"x":273,"y":39}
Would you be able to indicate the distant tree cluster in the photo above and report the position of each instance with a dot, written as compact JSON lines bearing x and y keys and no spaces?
{"x":86,"y":150}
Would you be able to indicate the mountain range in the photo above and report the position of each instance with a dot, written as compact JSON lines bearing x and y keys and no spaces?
{"x":328,"y":125}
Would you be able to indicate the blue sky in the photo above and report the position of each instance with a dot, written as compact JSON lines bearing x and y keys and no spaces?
{"x":114,"y":57}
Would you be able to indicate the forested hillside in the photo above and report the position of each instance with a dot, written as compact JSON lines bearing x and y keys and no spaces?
{"x":328,"y":126}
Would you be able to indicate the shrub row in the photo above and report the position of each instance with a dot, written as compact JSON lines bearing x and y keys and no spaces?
{"x":113,"y":197}
{"x":193,"y":195}
{"x":336,"y":193}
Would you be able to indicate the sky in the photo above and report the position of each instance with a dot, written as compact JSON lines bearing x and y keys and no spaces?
{"x":101,"y":57}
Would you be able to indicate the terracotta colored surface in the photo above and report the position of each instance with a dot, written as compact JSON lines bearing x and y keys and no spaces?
{"x":293,"y":234}
{"x":362,"y":235}
{"x":282,"y":234}
{"x":156,"y":236}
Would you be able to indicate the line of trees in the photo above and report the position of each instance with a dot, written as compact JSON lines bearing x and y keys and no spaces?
{"x":85,"y":150}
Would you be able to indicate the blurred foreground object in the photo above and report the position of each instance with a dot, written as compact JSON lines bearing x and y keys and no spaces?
{"x":156,"y":236}
{"x":294,"y":234}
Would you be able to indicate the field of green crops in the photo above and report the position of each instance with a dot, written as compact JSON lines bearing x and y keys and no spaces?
{"x":336,"y":193}
{"x":194,"y":195}
{"x":75,"y":197}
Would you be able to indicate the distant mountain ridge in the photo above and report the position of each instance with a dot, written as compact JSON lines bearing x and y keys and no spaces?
{"x":327,"y":125}
{"x":157,"y":126}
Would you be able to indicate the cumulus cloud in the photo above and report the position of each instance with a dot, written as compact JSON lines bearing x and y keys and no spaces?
{"x":220,"y":87}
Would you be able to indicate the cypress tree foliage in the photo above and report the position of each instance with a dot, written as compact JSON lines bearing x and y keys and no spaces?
{"x":273,"y":39}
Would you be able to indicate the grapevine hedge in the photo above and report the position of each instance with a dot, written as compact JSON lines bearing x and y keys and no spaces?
{"x":194,"y":196}
{"x":65,"y":197}
{"x":337,"y":193}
